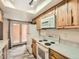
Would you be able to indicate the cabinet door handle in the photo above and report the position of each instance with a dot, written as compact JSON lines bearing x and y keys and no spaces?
{"x":72,"y":17}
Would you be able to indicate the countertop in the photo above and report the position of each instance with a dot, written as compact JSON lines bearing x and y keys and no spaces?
{"x":3,"y":43}
{"x":68,"y":51}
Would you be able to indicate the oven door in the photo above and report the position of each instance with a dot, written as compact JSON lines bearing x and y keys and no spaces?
{"x":42,"y":52}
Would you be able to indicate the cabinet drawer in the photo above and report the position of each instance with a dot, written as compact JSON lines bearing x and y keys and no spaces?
{"x":56,"y":55}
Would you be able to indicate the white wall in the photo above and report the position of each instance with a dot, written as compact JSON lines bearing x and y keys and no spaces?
{"x":5,"y":29}
{"x":21,"y":4}
{"x":65,"y":34}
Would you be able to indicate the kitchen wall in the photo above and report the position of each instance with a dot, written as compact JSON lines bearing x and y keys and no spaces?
{"x":5,"y":29}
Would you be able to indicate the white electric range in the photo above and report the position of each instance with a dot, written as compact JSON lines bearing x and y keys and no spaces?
{"x":42,"y":48}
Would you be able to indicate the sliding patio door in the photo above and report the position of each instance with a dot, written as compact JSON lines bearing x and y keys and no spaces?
{"x":18,"y":33}
{"x":24,"y":33}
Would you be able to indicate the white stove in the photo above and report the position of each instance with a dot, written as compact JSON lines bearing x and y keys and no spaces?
{"x":42,"y":52}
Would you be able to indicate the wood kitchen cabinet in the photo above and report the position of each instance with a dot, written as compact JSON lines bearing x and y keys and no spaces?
{"x":34,"y":48}
{"x":59,"y":20}
{"x":67,"y":14}
{"x":73,"y":14}
{"x":38,"y":23}
{"x":55,"y":55}
{"x":61,"y":14}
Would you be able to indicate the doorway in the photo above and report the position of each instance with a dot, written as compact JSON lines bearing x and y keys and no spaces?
{"x":18,"y":33}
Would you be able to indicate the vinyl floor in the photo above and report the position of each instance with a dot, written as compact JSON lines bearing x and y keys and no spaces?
{"x":19,"y":52}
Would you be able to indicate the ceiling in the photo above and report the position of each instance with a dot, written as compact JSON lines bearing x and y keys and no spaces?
{"x":24,"y":4}
{"x":21,"y":10}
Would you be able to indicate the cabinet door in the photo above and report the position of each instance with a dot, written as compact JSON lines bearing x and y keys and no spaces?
{"x":73,"y":12}
{"x":38,"y":23}
{"x":65,"y":13}
{"x":62,"y":14}
{"x":59,"y":19}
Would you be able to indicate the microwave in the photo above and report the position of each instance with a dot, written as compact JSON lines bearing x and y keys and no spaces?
{"x":48,"y":22}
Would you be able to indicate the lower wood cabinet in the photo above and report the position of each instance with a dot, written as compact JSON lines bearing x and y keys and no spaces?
{"x":34,"y":48}
{"x":55,"y":55}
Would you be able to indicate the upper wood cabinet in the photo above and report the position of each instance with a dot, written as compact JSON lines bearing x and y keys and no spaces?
{"x":38,"y":23}
{"x":61,"y":14}
{"x":73,"y":14}
{"x":1,"y":16}
{"x":68,"y":14}
{"x":59,"y":20}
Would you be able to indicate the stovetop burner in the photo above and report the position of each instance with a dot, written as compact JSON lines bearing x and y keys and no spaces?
{"x":52,"y":42}
{"x":45,"y":40}
{"x":40,"y":40}
{"x":47,"y":44}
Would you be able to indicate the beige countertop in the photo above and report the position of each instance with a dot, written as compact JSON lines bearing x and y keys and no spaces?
{"x":3,"y":43}
{"x":68,"y":51}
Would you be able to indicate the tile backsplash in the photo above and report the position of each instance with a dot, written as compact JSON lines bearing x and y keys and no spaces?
{"x":67,"y":36}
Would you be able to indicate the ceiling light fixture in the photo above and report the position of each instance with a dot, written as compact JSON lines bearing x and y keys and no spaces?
{"x":30,"y":3}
